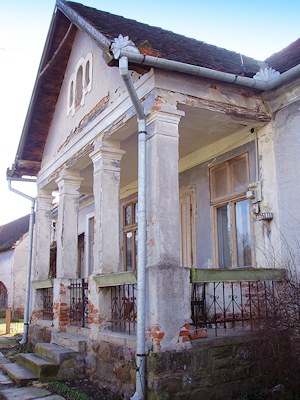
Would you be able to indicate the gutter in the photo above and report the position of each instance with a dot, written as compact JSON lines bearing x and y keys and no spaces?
{"x":29,"y":258}
{"x":255,"y":83}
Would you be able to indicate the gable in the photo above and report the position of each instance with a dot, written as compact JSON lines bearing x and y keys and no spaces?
{"x":71,"y":114}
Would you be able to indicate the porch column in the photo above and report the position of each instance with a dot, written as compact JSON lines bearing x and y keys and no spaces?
{"x":106,"y":161}
{"x":67,"y":234}
{"x":67,"y":241}
{"x":43,"y":234}
{"x":168,"y":289}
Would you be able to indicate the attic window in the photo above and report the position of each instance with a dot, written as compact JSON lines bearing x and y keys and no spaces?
{"x":79,"y":87}
{"x":80,"y":84}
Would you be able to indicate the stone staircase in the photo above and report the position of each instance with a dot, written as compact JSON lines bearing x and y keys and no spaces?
{"x":62,"y":359}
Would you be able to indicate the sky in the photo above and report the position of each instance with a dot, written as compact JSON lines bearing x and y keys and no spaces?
{"x":256,"y":29}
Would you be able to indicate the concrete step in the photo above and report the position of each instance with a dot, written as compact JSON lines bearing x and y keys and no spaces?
{"x":69,"y":340}
{"x":41,"y":366}
{"x":54,"y":352}
{"x":18,"y":373}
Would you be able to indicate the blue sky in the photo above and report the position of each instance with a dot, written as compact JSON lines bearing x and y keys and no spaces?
{"x":256,"y":29}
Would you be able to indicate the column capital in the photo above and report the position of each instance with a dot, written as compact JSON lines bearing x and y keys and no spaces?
{"x":69,"y":181}
{"x":164,"y":121}
{"x":107,"y":158}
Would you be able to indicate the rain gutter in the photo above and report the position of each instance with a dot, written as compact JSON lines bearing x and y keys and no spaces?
{"x":29,"y":257}
{"x":203,"y":72}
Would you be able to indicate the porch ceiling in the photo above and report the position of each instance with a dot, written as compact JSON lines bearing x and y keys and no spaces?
{"x":197,"y":129}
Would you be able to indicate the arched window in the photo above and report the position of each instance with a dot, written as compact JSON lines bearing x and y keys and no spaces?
{"x":79,"y":88}
{"x":80,"y":84}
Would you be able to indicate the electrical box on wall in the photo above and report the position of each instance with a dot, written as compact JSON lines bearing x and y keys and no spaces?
{"x":254,"y":192}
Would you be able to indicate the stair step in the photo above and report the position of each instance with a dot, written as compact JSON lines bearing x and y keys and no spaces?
{"x":41,"y":366}
{"x":54,"y":352}
{"x":18,"y":373}
{"x":70,"y":340}
{"x":5,"y":380}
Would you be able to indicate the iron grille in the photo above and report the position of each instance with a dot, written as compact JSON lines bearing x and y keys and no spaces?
{"x":123,"y":308}
{"x":47,"y":310}
{"x":78,"y":302}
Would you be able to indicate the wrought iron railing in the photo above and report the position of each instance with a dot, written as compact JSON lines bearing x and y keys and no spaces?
{"x":123,"y":308}
{"x":233,"y":304}
{"x":47,"y":298}
{"x":78,"y":302}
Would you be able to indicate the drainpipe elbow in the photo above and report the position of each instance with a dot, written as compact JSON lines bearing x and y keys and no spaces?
{"x":123,"y":66}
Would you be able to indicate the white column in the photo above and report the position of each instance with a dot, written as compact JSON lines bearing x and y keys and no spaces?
{"x":163,"y":188}
{"x":67,"y":232}
{"x":168,"y":284}
{"x":106,"y":160}
{"x":43,"y":234}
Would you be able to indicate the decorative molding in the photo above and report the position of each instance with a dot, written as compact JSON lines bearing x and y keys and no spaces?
{"x":265,"y":73}
{"x":122,"y":43}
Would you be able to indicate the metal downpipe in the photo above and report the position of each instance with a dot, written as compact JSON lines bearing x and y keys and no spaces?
{"x":29,"y":260}
{"x":140,"y":392}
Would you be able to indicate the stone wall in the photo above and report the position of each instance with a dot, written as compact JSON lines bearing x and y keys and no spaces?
{"x":213,"y":369}
{"x":113,"y":366}
{"x":216,"y":368}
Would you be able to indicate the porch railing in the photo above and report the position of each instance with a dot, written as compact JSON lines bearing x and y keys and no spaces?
{"x":123,"y":308}
{"x":78,"y":302}
{"x":237,"y":299}
{"x":47,"y":299}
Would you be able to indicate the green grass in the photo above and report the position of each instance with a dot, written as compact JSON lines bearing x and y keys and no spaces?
{"x":70,"y":394}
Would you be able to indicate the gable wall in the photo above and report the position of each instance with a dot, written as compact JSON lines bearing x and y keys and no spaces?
{"x":105,"y":82}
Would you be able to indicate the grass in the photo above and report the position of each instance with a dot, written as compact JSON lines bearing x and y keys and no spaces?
{"x":64,"y":390}
{"x":15,"y":327}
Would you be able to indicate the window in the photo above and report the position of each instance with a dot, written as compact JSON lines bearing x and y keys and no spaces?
{"x":130,"y":235}
{"x":80,"y":84}
{"x":232,"y":229}
{"x":187,"y":227}
{"x":91,"y":241}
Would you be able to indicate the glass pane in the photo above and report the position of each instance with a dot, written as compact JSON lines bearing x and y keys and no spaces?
{"x":128,"y":215}
{"x":243,"y":236}
{"x":136,"y":212}
{"x":240,"y":175}
{"x":224,"y":246}
{"x":128,"y":251}
{"x":220,"y":182}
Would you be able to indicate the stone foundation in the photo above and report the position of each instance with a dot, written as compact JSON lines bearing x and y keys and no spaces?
{"x":213,"y":369}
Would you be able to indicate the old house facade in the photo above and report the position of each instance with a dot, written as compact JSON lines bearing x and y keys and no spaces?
{"x":220,"y":137}
{"x":13,"y":263}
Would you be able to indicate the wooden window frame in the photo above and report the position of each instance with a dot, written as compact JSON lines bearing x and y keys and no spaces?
{"x":229,"y":199}
{"x":132,"y":227}
{"x":228,"y":164}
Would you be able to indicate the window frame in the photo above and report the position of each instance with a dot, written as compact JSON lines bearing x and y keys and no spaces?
{"x":230,"y":199}
{"x":133,"y":228}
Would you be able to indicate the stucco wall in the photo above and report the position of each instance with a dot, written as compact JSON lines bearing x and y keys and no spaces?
{"x":287,"y":150}
{"x":6,"y":263}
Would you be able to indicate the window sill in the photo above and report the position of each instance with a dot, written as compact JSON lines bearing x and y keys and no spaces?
{"x":237,"y":275}
{"x":43,"y":284}
{"x":115,"y":279}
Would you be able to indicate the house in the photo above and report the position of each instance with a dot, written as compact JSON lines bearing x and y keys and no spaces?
{"x":131,"y":125}
{"x":13,"y":263}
